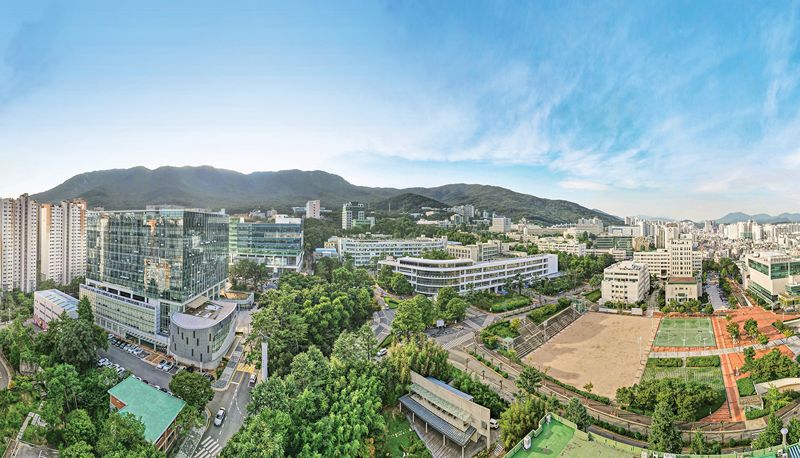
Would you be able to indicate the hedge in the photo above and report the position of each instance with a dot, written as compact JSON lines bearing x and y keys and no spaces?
{"x":745,"y":386}
{"x":539,"y":315}
{"x":489,"y":364}
{"x":666,"y":362}
{"x":703,"y":361}
{"x":752,"y":414}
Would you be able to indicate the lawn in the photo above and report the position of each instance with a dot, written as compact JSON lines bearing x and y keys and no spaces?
{"x":685,"y":332}
{"x":399,"y":432}
{"x":711,"y":376}
{"x":593,"y":296}
{"x":391,"y":302}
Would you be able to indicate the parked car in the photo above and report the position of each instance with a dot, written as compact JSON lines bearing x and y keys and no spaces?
{"x":220,"y":417}
{"x":493,"y":423}
{"x":162,"y":363}
{"x":382,"y":352}
{"x":167,"y":367}
{"x":252,"y":382}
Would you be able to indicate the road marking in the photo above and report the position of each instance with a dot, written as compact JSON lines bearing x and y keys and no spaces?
{"x":209,"y":448}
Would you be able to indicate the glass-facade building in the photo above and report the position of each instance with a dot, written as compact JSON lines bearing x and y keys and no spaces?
{"x":277,"y":245}
{"x":774,"y":276}
{"x":145,"y":265}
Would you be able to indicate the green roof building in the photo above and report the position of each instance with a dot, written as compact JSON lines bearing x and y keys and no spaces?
{"x":155,"y":409}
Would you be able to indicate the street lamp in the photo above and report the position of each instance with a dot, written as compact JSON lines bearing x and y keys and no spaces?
{"x":784,"y":431}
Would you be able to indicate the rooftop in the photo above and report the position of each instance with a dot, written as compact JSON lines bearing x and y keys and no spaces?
{"x":682,"y":280}
{"x":201,"y":313}
{"x":154,"y":408}
{"x":60,"y":298}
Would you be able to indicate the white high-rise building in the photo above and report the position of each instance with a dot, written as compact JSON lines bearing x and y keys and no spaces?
{"x":62,"y":241}
{"x":18,"y":243}
{"x":625,"y":281}
{"x":313,"y":209}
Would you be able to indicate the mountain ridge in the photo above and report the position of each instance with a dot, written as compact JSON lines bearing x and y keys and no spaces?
{"x":761,"y":218}
{"x":210,"y":187}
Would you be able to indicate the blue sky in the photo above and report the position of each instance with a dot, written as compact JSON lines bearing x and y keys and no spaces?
{"x":682,"y":109}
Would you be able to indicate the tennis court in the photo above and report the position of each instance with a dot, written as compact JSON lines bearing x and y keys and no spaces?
{"x":685,"y":332}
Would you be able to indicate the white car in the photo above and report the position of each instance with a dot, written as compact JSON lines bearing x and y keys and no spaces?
{"x":220,"y":417}
{"x":162,"y":364}
{"x":382,"y":352}
{"x":167,"y":367}
{"x":493,"y":423}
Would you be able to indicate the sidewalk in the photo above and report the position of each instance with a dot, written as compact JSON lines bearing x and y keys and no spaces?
{"x":221,"y":384}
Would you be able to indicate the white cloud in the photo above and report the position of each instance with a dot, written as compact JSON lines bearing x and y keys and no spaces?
{"x":583,"y":185}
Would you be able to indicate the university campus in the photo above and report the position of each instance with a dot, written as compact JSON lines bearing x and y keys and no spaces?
{"x":411,"y":229}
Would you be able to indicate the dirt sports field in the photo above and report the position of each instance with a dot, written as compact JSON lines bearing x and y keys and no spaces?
{"x":599,"y":348}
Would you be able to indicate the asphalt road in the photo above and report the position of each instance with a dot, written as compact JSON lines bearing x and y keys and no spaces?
{"x":234,"y":400}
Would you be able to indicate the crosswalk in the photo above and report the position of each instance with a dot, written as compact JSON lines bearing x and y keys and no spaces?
{"x":209,"y":448}
{"x":459,"y":340}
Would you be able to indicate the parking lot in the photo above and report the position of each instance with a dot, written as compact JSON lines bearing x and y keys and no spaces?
{"x":138,"y":366}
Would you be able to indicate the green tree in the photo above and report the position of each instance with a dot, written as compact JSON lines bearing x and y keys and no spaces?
{"x":123,"y":435}
{"x":455,"y":310}
{"x":529,"y":380}
{"x":521,"y":417}
{"x":409,"y":318}
{"x":444,"y":296}
{"x":63,"y":388}
{"x":79,"y":449}
{"x":79,"y":428}
{"x":399,"y":285}
{"x":751,"y":327}
{"x":576,"y":413}
{"x":192,"y":388}
{"x":85,"y":310}
{"x":700,"y":446}
{"x":354,"y":348}
{"x":771,"y":434}
{"x":734,"y":330}
{"x":664,"y":437}
{"x":264,"y":435}
{"x":793,"y":436}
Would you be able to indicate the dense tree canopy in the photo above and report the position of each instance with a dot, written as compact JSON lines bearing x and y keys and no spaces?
{"x":310,"y":310}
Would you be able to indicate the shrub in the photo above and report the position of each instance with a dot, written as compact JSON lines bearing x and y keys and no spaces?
{"x":745,"y":386}
{"x":752,"y":414}
{"x":703,"y":361}
{"x":666,"y":362}
{"x":544,"y":312}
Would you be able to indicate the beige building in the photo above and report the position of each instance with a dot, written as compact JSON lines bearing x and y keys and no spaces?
{"x":447,"y":410}
{"x":500,"y":224}
{"x":479,"y":252}
{"x":774,"y":276}
{"x":313,"y":209}
{"x":625,"y":281}
{"x":679,"y":264}
{"x":19,"y":222}
{"x":62,"y":241}
{"x":561,"y":244}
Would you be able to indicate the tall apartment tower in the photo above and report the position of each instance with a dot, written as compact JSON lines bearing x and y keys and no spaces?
{"x":352,"y":211}
{"x":62,"y":241}
{"x":18,"y":243}
{"x":313,"y":209}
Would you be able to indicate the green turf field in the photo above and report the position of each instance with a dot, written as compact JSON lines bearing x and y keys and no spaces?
{"x":551,"y":442}
{"x":711,"y":376}
{"x":685,"y":332}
